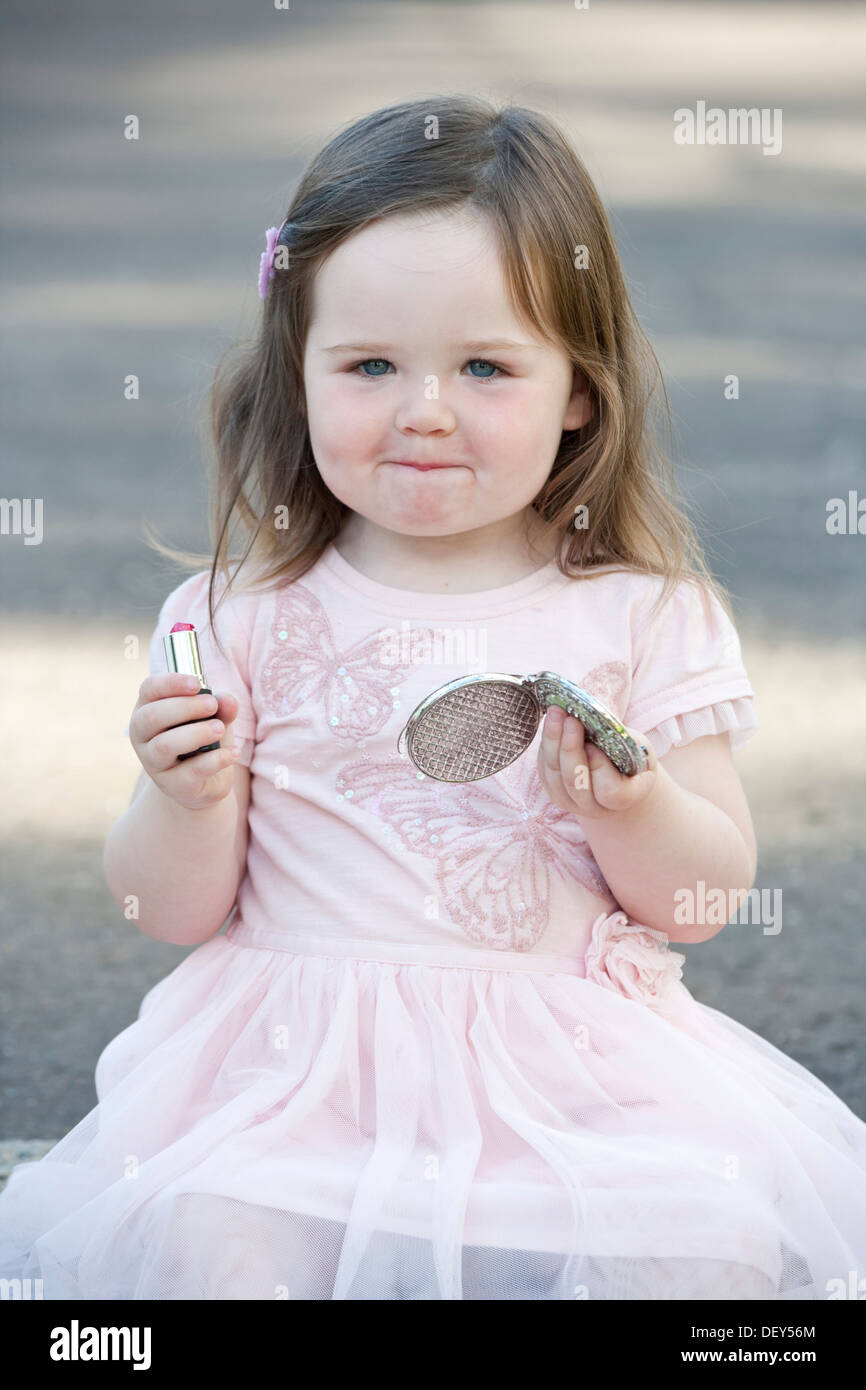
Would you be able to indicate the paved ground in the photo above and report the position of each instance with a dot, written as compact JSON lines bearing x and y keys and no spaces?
{"x":142,"y":257}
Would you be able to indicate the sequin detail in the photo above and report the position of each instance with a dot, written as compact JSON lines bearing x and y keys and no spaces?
{"x":358,"y":690}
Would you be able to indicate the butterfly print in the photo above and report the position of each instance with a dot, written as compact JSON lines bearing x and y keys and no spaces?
{"x":609,"y":683}
{"x":494,"y":844}
{"x":356,"y":687}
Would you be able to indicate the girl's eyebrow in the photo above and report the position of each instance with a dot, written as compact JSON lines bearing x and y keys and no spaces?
{"x":494,"y":345}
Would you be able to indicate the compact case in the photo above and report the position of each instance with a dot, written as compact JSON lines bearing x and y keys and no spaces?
{"x":474,"y":726}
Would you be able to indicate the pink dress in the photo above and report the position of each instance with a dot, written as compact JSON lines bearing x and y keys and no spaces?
{"x":430,"y":1058}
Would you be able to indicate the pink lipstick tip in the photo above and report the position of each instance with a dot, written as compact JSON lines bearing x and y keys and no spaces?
{"x":183,"y":627}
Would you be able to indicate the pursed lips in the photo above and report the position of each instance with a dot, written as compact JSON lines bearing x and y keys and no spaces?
{"x":425,"y":467}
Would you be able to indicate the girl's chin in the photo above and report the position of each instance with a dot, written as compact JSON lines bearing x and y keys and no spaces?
{"x":422,"y":527}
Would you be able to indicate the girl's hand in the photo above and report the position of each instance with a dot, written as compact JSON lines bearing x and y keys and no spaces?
{"x":165,"y":701}
{"x":580,"y":778}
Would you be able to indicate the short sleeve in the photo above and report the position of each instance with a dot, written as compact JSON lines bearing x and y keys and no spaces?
{"x":188,"y":604}
{"x":688,"y":677}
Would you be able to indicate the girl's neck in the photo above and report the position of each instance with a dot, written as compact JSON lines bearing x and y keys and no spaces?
{"x":465,"y":563}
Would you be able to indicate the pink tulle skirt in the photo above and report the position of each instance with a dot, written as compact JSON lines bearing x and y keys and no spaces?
{"x":293,"y":1124}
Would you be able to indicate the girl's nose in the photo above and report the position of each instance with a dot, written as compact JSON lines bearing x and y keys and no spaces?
{"x":423,"y":407}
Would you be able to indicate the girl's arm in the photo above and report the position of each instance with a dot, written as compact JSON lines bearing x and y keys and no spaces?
{"x":176,"y":872}
{"x":694,"y":825}
{"x":690,"y":823}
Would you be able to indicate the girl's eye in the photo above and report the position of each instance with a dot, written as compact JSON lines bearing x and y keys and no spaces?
{"x":381,"y":362}
{"x":484,"y":363}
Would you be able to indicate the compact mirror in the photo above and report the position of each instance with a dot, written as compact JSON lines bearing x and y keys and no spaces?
{"x":475,"y":726}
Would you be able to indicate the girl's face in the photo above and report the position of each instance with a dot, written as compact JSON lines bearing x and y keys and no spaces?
{"x":405,"y":361}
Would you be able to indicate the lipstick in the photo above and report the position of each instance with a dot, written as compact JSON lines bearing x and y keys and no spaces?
{"x":182,"y":655}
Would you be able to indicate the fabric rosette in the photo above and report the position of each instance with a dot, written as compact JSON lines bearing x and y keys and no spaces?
{"x":634,"y":960}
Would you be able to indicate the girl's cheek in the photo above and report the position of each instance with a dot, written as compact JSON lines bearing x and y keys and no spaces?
{"x":342,"y":433}
{"x":507,"y":433}
{"x":343,"y":396}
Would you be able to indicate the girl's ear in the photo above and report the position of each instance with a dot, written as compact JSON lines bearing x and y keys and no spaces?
{"x":581,"y":405}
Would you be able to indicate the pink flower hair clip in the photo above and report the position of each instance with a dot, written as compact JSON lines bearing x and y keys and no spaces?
{"x":273,"y":237}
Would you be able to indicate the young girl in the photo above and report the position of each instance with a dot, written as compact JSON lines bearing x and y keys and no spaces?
{"x":443,"y":1050}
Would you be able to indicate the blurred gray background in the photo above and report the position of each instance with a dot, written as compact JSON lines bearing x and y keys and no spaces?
{"x":141,"y":257}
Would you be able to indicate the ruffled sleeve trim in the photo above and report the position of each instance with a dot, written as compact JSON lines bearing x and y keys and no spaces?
{"x":736,"y":717}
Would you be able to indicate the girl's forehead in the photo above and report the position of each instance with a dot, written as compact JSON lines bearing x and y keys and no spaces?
{"x":391,"y":271}
{"x":379,"y":323}
{"x":440,"y":273}
{"x":448,"y":242}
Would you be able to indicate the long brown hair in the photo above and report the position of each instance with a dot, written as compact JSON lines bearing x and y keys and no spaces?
{"x":515,"y":166}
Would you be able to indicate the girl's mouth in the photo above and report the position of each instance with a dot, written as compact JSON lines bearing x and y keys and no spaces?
{"x":424,"y":467}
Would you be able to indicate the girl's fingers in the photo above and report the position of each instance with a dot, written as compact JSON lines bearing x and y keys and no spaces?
{"x":548,"y":755}
{"x":166,"y":712}
{"x":228,"y":706}
{"x":562,"y":765}
{"x":161,"y":752}
{"x":209,"y":764}
{"x":611,"y":788}
{"x":166,"y":683}
{"x":550,"y":732}
{"x":608,"y":783}
{"x":151,"y":719}
{"x":573,"y":762}
{"x":579,"y":777}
